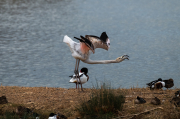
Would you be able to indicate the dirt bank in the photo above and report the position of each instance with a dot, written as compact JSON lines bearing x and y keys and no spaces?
{"x":65,"y":100}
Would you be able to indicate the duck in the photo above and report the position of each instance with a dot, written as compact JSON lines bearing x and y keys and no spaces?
{"x":177,"y":93}
{"x":139,"y":100}
{"x":153,"y":82}
{"x":155,"y":101}
{"x":53,"y":116}
{"x":176,"y":99}
{"x":156,"y":84}
{"x":82,"y":75}
{"x":169,"y":83}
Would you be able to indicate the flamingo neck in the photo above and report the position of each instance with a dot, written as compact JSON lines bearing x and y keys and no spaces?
{"x":84,"y":48}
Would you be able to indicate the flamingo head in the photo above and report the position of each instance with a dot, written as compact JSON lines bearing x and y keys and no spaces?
{"x":105,"y":40}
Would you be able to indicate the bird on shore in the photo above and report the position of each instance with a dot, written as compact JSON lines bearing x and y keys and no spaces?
{"x":169,"y":83}
{"x":139,"y":100}
{"x":155,"y":101}
{"x":81,"y":51}
{"x":176,"y":99}
{"x":156,"y":84}
{"x":153,"y":82}
{"x":82,"y":75}
{"x":177,"y":93}
{"x":54,"y":116}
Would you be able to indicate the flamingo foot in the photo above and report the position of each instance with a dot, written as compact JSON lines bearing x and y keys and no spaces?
{"x":125,"y":57}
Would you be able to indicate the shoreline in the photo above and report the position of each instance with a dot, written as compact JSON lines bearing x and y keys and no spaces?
{"x":62,"y":100}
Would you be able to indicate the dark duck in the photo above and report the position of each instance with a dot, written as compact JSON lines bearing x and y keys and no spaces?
{"x":176,"y":99}
{"x":139,"y":100}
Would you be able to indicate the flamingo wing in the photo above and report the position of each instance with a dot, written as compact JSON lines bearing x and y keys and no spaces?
{"x":97,"y":42}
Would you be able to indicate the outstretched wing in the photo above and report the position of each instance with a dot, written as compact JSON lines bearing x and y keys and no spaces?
{"x":97,"y":42}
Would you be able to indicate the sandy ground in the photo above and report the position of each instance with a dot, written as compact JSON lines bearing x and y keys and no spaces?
{"x":44,"y":98}
{"x":65,"y":100}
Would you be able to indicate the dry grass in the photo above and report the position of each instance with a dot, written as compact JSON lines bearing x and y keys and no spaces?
{"x":166,"y":110}
{"x":104,"y":102}
{"x":46,"y":100}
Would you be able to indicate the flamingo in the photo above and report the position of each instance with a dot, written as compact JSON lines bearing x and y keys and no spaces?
{"x":81,"y":51}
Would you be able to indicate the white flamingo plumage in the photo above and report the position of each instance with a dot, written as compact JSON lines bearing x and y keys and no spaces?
{"x":81,"y":51}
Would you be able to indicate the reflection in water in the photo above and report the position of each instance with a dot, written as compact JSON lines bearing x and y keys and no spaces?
{"x":32,"y":52}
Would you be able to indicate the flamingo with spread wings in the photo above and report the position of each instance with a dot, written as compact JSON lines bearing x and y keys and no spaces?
{"x":81,"y":51}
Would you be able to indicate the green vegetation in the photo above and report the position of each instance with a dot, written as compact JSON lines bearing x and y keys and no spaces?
{"x":104,"y":103}
{"x":9,"y":114}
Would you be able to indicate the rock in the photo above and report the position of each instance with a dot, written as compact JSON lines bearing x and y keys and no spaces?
{"x":30,"y":103}
{"x":3,"y":100}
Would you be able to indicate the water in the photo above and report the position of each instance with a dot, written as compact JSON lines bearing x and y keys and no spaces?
{"x":32,"y":52}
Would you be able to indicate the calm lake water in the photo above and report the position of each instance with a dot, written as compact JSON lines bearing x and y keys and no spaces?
{"x":32,"y":52}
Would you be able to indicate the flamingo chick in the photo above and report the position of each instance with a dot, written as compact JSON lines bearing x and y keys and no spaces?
{"x":82,"y":75}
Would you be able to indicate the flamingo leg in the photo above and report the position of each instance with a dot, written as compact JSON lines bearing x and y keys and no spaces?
{"x":81,"y":86}
{"x":76,"y":73}
{"x":78,"y":76}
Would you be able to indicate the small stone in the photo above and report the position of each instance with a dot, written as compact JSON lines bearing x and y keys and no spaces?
{"x":30,"y":103}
